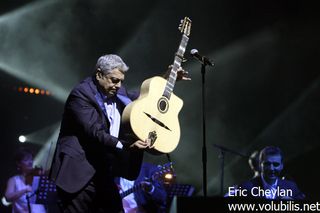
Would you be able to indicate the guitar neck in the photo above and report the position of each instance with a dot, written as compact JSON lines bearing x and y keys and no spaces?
{"x":131,"y":190}
{"x":176,"y":64}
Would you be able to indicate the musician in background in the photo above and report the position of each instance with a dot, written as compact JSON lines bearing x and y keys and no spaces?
{"x":146,"y":193}
{"x":19,"y":186}
{"x":269,"y":184}
{"x":93,"y":147}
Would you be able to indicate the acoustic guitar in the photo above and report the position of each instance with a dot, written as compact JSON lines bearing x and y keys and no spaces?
{"x":154,"y":114}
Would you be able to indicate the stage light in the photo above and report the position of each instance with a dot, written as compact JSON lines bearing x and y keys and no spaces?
{"x":169,"y":177}
{"x":33,"y":90}
{"x":22,"y":138}
{"x":166,"y":173}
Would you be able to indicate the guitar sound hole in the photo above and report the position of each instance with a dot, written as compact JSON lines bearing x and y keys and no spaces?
{"x":163,"y":105}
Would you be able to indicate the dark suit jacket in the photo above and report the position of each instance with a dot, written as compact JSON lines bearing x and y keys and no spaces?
{"x":282,"y":184}
{"x":85,"y":148}
{"x":156,"y":201}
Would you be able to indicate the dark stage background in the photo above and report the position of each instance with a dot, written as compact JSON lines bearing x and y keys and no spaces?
{"x":263,"y":90}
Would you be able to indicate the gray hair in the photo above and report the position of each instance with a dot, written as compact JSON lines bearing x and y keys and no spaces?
{"x":106,"y":63}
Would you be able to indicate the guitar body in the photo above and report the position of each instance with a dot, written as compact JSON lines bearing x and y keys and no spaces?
{"x":152,"y":113}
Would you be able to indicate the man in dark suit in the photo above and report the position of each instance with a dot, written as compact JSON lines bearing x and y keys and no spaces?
{"x":268,"y":184}
{"x":145,"y":194}
{"x":92,"y":147}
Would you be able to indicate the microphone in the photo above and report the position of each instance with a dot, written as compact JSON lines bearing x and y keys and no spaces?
{"x":203,"y":60}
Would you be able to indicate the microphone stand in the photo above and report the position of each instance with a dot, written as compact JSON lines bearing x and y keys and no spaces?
{"x":204,"y":62}
{"x":28,"y":200}
{"x":204,"y":148}
{"x":223,"y":150}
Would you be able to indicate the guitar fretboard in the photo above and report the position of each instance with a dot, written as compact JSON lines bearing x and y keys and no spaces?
{"x":131,"y":190}
{"x":176,"y":64}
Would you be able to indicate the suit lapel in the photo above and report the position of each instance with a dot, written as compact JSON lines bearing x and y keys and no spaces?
{"x":97,"y":97}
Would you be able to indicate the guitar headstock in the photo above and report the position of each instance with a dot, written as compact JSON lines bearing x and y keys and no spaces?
{"x":185,"y":26}
{"x":162,"y":170}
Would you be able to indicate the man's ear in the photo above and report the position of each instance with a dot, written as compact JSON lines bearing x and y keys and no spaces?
{"x":99,"y":74}
{"x":281,"y":166}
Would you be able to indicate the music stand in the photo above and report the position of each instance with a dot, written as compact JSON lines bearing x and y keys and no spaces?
{"x":43,"y":192}
{"x":47,"y":192}
{"x":178,"y":190}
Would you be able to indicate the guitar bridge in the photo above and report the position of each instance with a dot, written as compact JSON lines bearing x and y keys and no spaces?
{"x":153,"y":137}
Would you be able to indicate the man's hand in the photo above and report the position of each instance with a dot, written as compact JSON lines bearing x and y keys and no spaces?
{"x":181,"y":74}
{"x":147,"y":186}
{"x":27,"y":189}
{"x":142,"y":144}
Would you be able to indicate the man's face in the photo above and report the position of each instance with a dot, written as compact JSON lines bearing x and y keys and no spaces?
{"x":111,"y":82}
{"x":271,"y":167}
